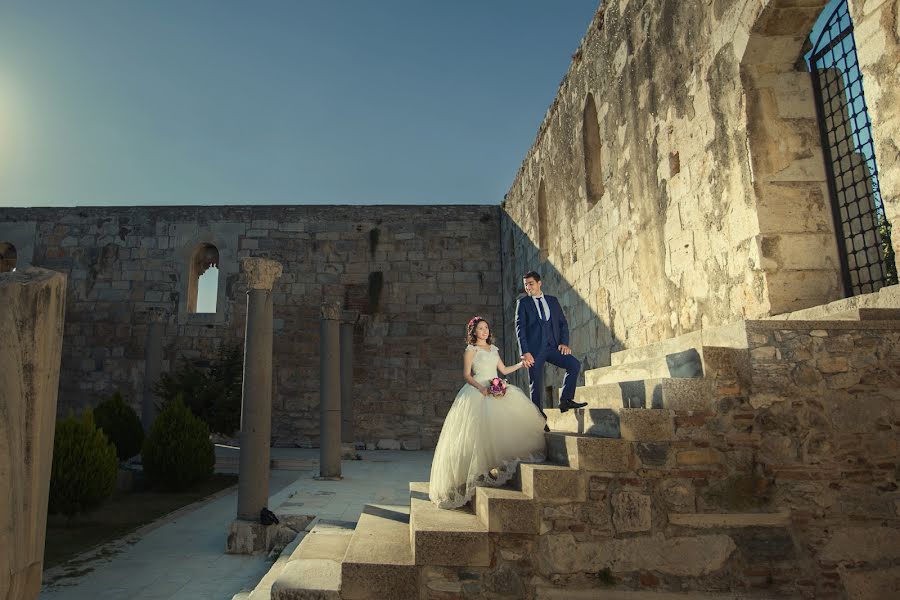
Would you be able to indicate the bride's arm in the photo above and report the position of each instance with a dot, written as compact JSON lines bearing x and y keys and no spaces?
{"x":510,"y":369}
{"x":468,"y":359}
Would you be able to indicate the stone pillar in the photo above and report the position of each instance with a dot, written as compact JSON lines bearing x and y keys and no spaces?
{"x":32,"y":311}
{"x":256,"y":394}
{"x":153,"y":357}
{"x":347,"y":324}
{"x":330,"y":392}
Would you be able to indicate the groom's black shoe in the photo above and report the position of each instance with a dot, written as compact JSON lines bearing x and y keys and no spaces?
{"x":565,"y":405}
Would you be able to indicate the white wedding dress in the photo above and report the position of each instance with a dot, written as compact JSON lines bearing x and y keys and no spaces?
{"x":482,"y":433}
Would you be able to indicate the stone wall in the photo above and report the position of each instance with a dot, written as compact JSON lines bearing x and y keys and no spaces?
{"x":677,"y":181}
{"x":416,"y":275}
{"x":775,"y":475}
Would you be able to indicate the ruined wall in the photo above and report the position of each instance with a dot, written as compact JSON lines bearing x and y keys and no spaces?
{"x":438,"y":266}
{"x":677,"y":181}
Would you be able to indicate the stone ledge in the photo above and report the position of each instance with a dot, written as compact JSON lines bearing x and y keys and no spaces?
{"x":710,"y":520}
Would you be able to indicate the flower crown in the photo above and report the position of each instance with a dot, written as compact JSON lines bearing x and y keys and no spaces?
{"x":475,"y":318}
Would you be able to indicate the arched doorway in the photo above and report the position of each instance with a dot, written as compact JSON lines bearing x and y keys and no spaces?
{"x":863,"y":232}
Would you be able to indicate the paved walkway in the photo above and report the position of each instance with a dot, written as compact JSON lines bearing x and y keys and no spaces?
{"x":182,"y":556}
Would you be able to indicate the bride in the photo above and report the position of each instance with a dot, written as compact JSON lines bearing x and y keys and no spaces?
{"x":484,"y":436}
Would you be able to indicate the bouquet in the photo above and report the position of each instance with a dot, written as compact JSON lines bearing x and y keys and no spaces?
{"x":497,"y":387}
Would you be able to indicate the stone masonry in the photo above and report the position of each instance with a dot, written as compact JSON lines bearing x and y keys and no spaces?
{"x":416,"y":275}
{"x":678,"y":182}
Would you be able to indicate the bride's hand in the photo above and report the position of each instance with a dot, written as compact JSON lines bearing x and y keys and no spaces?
{"x":485,"y":391}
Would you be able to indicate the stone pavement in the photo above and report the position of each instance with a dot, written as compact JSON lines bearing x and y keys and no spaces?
{"x":183,"y":555}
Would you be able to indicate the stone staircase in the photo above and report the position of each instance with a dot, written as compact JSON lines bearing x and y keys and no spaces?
{"x":670,"y":483}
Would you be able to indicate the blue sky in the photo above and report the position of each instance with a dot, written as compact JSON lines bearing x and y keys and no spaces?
{"x":126,"y":102}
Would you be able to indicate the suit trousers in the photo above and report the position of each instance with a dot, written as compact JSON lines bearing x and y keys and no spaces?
{"x":552,"y":355}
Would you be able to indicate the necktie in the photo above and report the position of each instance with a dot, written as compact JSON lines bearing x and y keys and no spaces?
{"x":540,"y":310}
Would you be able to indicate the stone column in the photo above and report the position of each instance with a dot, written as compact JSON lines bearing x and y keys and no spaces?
{"x":347,"y":325}
{"x":32,"y":311}
{"x":330,"y":392}
{"x":153,"y":356}
{"x":256,"y":394}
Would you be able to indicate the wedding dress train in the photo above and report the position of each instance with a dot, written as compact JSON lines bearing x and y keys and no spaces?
{"x":482,"y":433}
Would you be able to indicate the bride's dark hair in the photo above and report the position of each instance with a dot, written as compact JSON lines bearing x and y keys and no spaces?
{"x":470,"y":331}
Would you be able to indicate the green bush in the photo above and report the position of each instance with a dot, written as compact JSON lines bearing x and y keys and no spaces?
{"x":178,"y":452}
{"x":121,"y":425}
{"x":213,"y":392}
{"x":84,"y":467}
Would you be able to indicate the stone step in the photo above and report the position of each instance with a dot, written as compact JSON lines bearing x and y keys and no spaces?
{"x":313,"y":569}
{"x":448,"y":538}
{"x":674,"y":393}
{"x":685,"y":364}
{"x":546,"y":482}
{"x":886,"y":297}
{"x":590,"y":453}
{"x":641,"y":425}
{"x":767,"y":326}
{"x":633,"y":424}
{"x":598,"y":422}
{"x":505,"y":510}
{"x":867,"y":314}
{"x":263,"y":589}
{"x":379,"y":562}
{"x":732,"y":335}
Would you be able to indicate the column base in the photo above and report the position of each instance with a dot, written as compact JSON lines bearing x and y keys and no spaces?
{"x":321,"y":477}
{"x":252,"y":537}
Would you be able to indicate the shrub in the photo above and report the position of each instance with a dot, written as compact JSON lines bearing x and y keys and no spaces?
{"x":213,"y":393}
{"x":178,"y":452}
{"x":84,"y":467}
{"x":121,"y":425}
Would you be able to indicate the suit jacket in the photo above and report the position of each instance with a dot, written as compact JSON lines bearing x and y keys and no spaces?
{"x":530,"y":331}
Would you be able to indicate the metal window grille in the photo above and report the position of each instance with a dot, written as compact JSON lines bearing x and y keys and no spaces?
{"x":863,"y":232}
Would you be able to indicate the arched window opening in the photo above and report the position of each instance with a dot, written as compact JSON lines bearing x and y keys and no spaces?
{"x":543,"y":222}
{"x":7,"y":257}
{"x":862,"y":230}
{"x":593,"y":166}
{"x":204,"y":279}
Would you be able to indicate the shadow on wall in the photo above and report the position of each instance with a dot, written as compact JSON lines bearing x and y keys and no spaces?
{"x":592,"y":338}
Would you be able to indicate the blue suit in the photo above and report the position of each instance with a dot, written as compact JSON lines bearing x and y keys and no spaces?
{"x":541,"y":338}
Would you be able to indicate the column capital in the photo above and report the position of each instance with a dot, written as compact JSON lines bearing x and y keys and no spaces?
{"x":331,"y":310}
{"x":350,"y":316}
{"x":261,"y":272}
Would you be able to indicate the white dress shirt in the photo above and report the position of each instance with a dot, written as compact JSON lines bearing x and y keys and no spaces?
{"x":543,"y":306}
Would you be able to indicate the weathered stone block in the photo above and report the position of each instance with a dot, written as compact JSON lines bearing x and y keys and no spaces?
{"x":700,"y":456}
{"x":683,"y":556}
{"x":862,"y":543}
{"x":631,"y":512}
{"x":31,"y":334}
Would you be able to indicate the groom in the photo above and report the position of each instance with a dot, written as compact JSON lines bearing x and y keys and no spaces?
{"x":543,"y":334}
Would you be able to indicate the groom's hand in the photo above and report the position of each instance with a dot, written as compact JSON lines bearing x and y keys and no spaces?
{"x":528,"y":359}
{"x":564,"y":350}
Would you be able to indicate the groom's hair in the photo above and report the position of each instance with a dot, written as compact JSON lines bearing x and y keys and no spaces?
{"x":532,"y":275}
